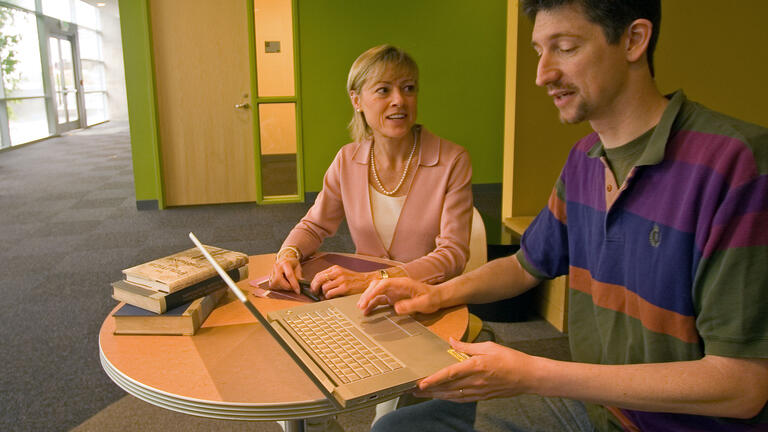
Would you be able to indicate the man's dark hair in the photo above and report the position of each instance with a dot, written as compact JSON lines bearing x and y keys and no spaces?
{"x":613,"y":16}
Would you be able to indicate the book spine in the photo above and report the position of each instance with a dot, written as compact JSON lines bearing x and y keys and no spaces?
{"x":200,"y":289}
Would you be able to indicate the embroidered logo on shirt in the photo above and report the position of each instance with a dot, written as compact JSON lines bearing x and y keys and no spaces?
{"x":655,"y":236}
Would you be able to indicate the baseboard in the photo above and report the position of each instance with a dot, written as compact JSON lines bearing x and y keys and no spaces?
{"x":489,"y":188}
{"x":147,"y":205}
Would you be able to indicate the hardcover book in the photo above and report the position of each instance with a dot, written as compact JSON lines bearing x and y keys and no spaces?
{"x":182,"y":269}
{"x":182,"y":320}
{"x":159,"y":302}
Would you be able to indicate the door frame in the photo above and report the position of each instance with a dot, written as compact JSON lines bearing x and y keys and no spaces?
{"x":64,"y":30}
{"x":257,"y":100}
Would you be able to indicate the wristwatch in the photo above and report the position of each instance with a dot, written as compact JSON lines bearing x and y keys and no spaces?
{"x":383,"y":274}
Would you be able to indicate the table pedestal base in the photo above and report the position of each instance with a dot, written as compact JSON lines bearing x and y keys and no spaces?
{"x":292,"y":425}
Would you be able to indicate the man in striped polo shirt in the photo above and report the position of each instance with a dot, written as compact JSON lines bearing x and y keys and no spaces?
{"x":660,"y":219}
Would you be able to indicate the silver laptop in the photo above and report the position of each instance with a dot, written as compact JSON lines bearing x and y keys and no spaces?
{"x":353,"y":359}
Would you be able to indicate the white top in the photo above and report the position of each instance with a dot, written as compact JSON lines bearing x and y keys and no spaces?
{"x":386,"y":211}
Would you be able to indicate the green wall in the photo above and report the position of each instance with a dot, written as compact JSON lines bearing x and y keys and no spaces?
{"x":140,"y":89}
{"x":713,"y":50}
{"x":459,"y":47}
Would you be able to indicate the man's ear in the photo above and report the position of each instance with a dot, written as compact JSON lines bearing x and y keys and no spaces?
{"x":638,"y":36}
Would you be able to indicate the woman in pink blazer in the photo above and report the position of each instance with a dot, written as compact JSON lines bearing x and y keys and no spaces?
{"x":405,"y":192}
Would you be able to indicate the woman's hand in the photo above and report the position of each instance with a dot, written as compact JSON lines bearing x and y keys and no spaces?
{"x":337,"y":281}
{"x":285,"y":275}
{"x":492,"y":371}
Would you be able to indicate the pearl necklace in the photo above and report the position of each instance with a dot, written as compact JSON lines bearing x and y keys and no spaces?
{"x":405,"y":171}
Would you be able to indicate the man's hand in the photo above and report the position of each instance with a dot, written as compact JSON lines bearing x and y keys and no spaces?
{"x":492,"y":371}
{"x":404,"y":294}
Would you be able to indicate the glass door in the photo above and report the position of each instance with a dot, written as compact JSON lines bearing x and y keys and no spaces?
{"x":277,"y":104}
{"x":66,"y":87}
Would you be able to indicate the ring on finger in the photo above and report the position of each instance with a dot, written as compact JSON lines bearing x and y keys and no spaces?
{"x":461,"y":391}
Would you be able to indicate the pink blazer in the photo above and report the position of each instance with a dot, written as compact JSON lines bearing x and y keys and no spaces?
{"x":431,"y":237}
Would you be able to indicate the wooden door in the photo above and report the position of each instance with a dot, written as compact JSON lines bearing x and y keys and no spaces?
{"x":202,"y":73}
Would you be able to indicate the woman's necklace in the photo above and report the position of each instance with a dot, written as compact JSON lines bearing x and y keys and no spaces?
{"x":405,"y":171}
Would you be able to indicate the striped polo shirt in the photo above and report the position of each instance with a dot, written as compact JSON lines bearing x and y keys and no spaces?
{"x":670,"y":265}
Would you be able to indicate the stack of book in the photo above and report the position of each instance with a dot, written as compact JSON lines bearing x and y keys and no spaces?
{"x":174,"y":294}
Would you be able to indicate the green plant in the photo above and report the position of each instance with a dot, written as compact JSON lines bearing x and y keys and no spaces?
{"x":8,"y":42}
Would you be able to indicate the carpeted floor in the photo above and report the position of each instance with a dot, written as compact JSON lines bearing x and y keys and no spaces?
{"x":68,"y":225}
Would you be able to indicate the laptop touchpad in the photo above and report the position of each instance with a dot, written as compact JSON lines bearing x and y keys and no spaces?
{"x":388,"y":326}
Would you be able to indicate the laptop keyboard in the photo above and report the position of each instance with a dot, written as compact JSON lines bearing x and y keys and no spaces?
{"x":347,"y":351}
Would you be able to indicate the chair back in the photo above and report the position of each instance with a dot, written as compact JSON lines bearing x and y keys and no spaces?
{"x":478,"y":245}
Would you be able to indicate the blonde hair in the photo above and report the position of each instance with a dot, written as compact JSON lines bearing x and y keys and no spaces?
{"x":374,"y":63}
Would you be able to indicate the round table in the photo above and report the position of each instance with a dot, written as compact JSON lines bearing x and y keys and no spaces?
{"x":231,"y":368}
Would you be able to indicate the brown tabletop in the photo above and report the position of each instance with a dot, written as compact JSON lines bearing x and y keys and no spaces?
{"x":231,"y":368}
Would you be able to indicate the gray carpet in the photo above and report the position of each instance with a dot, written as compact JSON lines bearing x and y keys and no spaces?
{"x":68,"y":225}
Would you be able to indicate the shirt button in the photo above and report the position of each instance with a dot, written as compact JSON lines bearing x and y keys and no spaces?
{"x":609,"y":188}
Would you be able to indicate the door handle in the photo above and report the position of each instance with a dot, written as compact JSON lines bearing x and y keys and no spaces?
{"x":243,"y":105}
